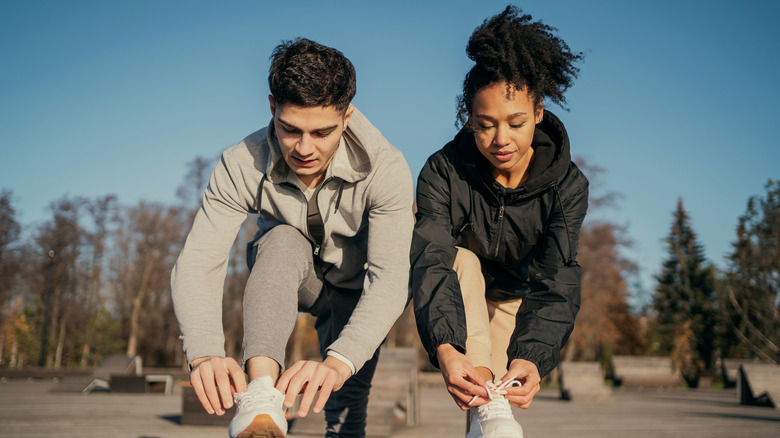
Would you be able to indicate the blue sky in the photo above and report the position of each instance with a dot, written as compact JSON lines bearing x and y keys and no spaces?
{"x":674,"y":100}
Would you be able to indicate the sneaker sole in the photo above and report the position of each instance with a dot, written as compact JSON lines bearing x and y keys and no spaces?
{"x":263,"y":426}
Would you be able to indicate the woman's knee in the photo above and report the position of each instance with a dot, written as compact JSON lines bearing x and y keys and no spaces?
{"x":467,"y":264}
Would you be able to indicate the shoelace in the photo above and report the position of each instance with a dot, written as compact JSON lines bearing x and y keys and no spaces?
{"x":258,"y":399}
{"x":495,"y":409}
{"x":497,"y":388}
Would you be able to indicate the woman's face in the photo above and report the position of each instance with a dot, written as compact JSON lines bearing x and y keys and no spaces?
{"x":503,"y":119}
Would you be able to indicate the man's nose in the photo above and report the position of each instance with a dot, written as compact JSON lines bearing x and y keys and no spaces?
{"x":305,"y":145}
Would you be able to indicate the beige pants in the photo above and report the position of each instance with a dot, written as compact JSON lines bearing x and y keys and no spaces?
{"x":490,"y":323}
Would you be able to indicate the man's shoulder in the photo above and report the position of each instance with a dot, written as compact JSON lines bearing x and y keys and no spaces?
{"x":384,"y":157}
{"x":252,"y":151}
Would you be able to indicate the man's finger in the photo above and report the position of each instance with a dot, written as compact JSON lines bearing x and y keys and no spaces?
{"x":237,"y":376}
{"x":223,"y":387}
{"x":308,"y":395}
{"x":197,"y":385}
{"x":205,"y":372}
{"x":325,"y":391}
{"x":284,"y":380}
{"x":297,"y":384}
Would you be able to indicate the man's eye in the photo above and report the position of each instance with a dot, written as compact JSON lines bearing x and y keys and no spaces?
{"x":322,"y":133}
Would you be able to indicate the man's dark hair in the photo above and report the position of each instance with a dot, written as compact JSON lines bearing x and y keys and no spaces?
{"x":510,"y":48}
{"x":306,"y":73}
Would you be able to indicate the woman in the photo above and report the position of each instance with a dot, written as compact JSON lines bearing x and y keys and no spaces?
{"x":495,"y":278}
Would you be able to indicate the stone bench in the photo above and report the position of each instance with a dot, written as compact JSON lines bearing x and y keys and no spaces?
{"x":644,"y":371}
{"x":759,"y":384}
{"x":583,"y":382}
{"x":141,"y":383}
{"x":192,"y":412}
{"x":729,"y":370}
{"x":116,"y":365}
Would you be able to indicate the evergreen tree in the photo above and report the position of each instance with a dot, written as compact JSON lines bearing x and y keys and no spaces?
{"x":750,"y":314}
{"x":684,"y":302}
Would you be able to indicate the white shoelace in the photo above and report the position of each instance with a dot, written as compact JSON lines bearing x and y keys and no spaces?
{"x":497,"y":388}
{"x":497,"y":408}
{"x":258,"y":400}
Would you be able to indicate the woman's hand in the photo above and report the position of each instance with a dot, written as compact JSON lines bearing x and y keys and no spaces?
{"x":462,"y":379}
{"x":528,"y":375}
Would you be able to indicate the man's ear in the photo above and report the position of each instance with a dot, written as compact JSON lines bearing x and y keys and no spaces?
{"x":271,"y":102}
{"x":348,"y":115}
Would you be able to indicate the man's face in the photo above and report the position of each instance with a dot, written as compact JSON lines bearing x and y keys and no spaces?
{"x":309,"y":137}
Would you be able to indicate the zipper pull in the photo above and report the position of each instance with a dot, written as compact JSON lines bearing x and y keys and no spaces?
{"x":501,"y":212}
{"x":317,"y":249}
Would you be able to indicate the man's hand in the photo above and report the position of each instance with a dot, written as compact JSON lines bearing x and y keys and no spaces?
{"x":462,"y":379}
{"x":308,"y":376}
{"x":215,"y":379}
{"x":527,"y":373}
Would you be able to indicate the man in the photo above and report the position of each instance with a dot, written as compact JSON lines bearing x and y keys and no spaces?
{"x":334,"y":204}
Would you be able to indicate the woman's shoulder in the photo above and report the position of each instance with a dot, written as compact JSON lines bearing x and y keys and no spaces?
{"x":574,"y":182}
{"x":454,"y":153}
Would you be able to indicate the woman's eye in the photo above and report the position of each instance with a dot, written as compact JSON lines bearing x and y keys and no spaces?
{"x":518,"y":126}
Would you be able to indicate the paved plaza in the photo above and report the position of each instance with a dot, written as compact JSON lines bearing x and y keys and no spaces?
{"x":29,"y":410}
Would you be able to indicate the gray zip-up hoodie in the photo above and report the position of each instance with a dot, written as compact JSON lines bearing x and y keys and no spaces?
{"x":366,"y":205}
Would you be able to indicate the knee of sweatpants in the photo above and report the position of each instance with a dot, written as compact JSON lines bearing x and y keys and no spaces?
{"x":282,"y":239}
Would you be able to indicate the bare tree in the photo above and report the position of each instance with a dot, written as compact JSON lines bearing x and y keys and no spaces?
{"x":605,"y":323}
{"x":102,"y":211}
{"x":148,"y":240}
{"x":9,"y":257}
{"x":59,"y":244}
{"x":190,"y":192}
{"x":750,"y":296}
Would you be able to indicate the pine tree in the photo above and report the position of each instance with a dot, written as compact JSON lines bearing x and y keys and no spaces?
{"x":684,"y":302}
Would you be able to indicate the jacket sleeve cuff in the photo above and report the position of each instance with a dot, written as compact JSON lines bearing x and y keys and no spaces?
{"x":342,"y":358}
{"x":545,"y":363}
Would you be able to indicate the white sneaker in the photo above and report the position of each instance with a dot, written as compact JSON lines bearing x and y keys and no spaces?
{"x":259,"y":411}
{"x":494,"y":419}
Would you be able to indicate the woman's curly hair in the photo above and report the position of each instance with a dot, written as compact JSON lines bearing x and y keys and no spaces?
{"x":511,"y":48}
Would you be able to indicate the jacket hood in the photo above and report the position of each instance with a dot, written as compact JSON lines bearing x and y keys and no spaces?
{"x":552,"y":156}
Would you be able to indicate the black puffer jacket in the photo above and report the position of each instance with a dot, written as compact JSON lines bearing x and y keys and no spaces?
{"x":526,"y":239}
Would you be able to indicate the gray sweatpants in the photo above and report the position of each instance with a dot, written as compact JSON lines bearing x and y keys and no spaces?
{"x":285,"y":280}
